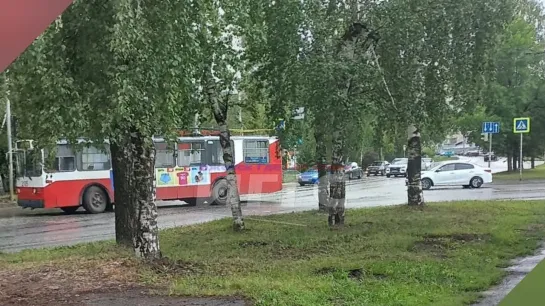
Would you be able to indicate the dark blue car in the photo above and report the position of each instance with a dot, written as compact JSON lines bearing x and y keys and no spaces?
{"x":309,"y":177}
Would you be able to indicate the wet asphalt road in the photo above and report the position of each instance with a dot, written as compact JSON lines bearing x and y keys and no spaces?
{"x":21,"y":230}
{"x":52,"y":228}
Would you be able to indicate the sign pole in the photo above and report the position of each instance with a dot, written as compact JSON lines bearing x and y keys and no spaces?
{"x":520,"y":158}
{"x":489,"y":150}
{"x":521,"y":126}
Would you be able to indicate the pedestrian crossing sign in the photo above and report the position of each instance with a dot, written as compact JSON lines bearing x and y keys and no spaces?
{"x":521,"y":125}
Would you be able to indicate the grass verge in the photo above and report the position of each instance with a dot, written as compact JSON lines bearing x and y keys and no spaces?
{"x":444,"y":254}
{"x":527,"y":174}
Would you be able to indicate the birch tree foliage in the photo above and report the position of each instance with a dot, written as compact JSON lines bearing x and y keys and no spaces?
{"x":280,"y":45}
{"x":273,"y":38}
{"x":298,"y":52}
{"x":223,"y":66}
{"x":346,"y":73}
{"x":517,"y":85}
{"x":113,"y":70}
{"x":435,"y":64}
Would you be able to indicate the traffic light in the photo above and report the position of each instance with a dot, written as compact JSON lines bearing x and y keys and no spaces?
{"x":484,"y":136}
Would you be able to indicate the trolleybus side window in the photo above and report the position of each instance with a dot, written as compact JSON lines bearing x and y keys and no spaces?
{"x":256,"y":151}
{"x":65,"y":159}
{"x":164,"y":155}
{"x":215,"y":152}
{"x":92,"y":158}
{"x":190,"y":153}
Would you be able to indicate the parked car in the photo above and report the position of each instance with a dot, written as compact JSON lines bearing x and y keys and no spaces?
{"x":447,"y":153}
{"x":309,"y":177}
{"x":397,"y":168}
{"x":353,"y":171}
{"x":453,"y":173}
{"x":473,"y":153}
{"x":494,"y":157}
{"x":378,"y":167}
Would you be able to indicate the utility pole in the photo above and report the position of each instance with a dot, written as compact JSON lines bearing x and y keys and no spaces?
{"x":240,"y":120}
{"x":10,"y":149}
{"x":196,"y":124}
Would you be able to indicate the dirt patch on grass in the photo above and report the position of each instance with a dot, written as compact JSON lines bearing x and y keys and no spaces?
{"x":247,"y":244}
{"x":52,"y":283}
{"x":139,"y":298}
{"x":533,"y":229}
{"x":356,"y":274}
{"x":438,"y":245}
{"x":94,"y":282}
{"x":174,"y":267}
{"x":459,"y":237}
{"x":352,"y":274}
{"x":436,"y":248}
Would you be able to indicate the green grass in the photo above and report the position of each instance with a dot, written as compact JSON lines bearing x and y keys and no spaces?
{"x":289,"y":176}
{"x":443,"y":255}
{"x":527,"y":174}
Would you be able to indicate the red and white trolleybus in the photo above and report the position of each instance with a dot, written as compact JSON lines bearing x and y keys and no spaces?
{"x":191,"y":170}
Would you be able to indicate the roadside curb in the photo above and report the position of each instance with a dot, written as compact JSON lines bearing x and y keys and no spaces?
{"x":517,"y":182}
{"x":6,"y":205}
{"x":9,"y":211}
{"x":517,"y":271}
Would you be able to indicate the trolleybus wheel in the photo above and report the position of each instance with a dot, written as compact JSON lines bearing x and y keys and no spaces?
{"x":95,"y":200}
{"x":219,"y":192}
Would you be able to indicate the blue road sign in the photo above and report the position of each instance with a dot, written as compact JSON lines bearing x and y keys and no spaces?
{"x":491,"y":128}
{"x":521,"y":125}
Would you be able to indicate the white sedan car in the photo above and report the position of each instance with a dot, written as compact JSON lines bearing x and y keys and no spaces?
{"x":456,"y":173}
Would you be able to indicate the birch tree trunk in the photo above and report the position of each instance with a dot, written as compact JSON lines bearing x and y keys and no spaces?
{"x":414,"y":167}
{"x":219,"y":108}
{"x":337,"y":185}
{"x":321,"y":162}
{"x":133,"y":163}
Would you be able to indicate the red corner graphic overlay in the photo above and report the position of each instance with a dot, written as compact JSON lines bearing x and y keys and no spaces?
{"x":21,"y":21}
